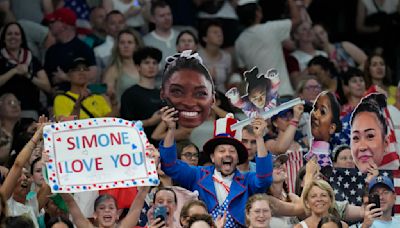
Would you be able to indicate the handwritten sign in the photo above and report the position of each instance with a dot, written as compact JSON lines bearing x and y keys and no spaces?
{"x":98,"y":154}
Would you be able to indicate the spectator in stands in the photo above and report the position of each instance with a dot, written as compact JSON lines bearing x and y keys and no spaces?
{"x":190,"y":208}
{"x":281,"y":191}
{"x":133,"y":11}
{"x":164,"y":36}
{"x":378,"y":24}
{"x":105,"y":213}
{"x":309,"y":88}
{"x":20,"y":221}
{"x":304,"y":37}
{"x":67,"y":48}
{"x":258,"y":211}
{"x":188,"y":152}
{"x":260,"y":44}
{"x":325,"y":71}
{"x":383,"y":215}
{"x":219,"y":185}
{"x":59,"y":222}
{"x":17,"y":183}
{"x":186,"y":40}
{"x":20,"y":72}
{"x":284,"y":125}
{"x":28,"y":10}
{"x":342,"y":157}
{"x":9,"y":116}
{"x":329,"y":221}
{"x":78,"y":101}
{"x":142,"y":101}
{"x":122,"y":72}
{"x":201,"y":221}
{"x":378,"y":73}
{"x":38,"y":37}
{"x":354,"y":85}
{"x":343,"y":54}
{"x":167,"y":198}
{"x":318,"y":199}
{"x":217,"y":61}
{"x":98,"y":34}
{"x":369,"y":131}
{"x":249,"y":141}
{"x":114,"y":23}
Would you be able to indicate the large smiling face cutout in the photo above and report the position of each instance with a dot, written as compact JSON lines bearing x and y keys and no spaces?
{"x":191,"y":94}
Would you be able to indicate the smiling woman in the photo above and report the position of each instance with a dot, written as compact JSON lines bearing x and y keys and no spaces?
{"x":187,"y":84}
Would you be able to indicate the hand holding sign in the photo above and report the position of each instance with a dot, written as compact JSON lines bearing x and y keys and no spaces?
{"x":97,"y":154}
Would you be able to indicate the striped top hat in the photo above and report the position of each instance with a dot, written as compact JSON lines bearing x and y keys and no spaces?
{"x":224,"y":135}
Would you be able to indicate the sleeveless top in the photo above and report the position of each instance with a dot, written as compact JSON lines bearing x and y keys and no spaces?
{"x":134,"y":21}
{"x":303,"y":224}
{"x":124,"y":82}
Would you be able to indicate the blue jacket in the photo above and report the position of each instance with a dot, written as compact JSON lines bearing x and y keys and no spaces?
{"x":200,"y":179}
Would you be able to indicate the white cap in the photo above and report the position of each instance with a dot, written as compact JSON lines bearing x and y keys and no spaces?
{"x":244,"y":2}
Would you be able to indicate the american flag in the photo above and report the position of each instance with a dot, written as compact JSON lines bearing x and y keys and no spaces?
{"x":348,"y":184}
{"x":293,"y":165}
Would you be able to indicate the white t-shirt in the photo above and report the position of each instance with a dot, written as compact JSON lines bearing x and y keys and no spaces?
{"x":261,"y":45}
{"x":303,"y":58}
{"x":394,"y":223}
{"x":16,"y":209}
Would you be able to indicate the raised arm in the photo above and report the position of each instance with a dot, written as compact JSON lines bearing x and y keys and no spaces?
{"x":167,"y":116}
{"x":295,"y":15}
{"x":132,"y":218}
{"x":23,"y":157}
{"x":283,"y":142}
{"x":259,"y":125}
{"x":78,"y":218}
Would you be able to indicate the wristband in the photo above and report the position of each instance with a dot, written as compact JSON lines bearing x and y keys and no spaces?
{"x":294,"y":123}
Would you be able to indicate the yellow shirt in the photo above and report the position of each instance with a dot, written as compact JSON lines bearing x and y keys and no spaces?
{"x":95,"y":104}
{"x":392,"y":90}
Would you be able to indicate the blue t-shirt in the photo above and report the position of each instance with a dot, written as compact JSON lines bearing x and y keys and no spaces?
{"x":394,"y":223}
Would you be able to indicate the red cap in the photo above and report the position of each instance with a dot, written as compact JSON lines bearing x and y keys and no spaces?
{"x":64,"y":15}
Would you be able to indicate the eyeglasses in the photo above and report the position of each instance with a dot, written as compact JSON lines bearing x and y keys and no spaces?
{"x":191,"y":155}
{"x":382,"y":193}
{"x":313,"y":87}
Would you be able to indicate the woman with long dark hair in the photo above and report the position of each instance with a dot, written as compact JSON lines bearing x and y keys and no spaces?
{"x":20,"y":72}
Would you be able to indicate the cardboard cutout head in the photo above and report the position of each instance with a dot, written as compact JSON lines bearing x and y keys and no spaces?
{"x":324,"y":117}
{"x":188,"y":87}
{"x":369,"y":132}
{"x":261,"y":92}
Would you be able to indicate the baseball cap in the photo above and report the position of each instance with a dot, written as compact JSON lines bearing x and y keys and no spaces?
{"x":381,"y":180}
{"x":76,"y":62}
{"x":64,"y":15}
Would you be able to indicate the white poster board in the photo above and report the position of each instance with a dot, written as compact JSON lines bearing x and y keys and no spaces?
{"x":98,"y":154}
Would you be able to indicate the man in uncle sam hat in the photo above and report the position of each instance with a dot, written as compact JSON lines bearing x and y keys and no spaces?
{"x":221,"y":186}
